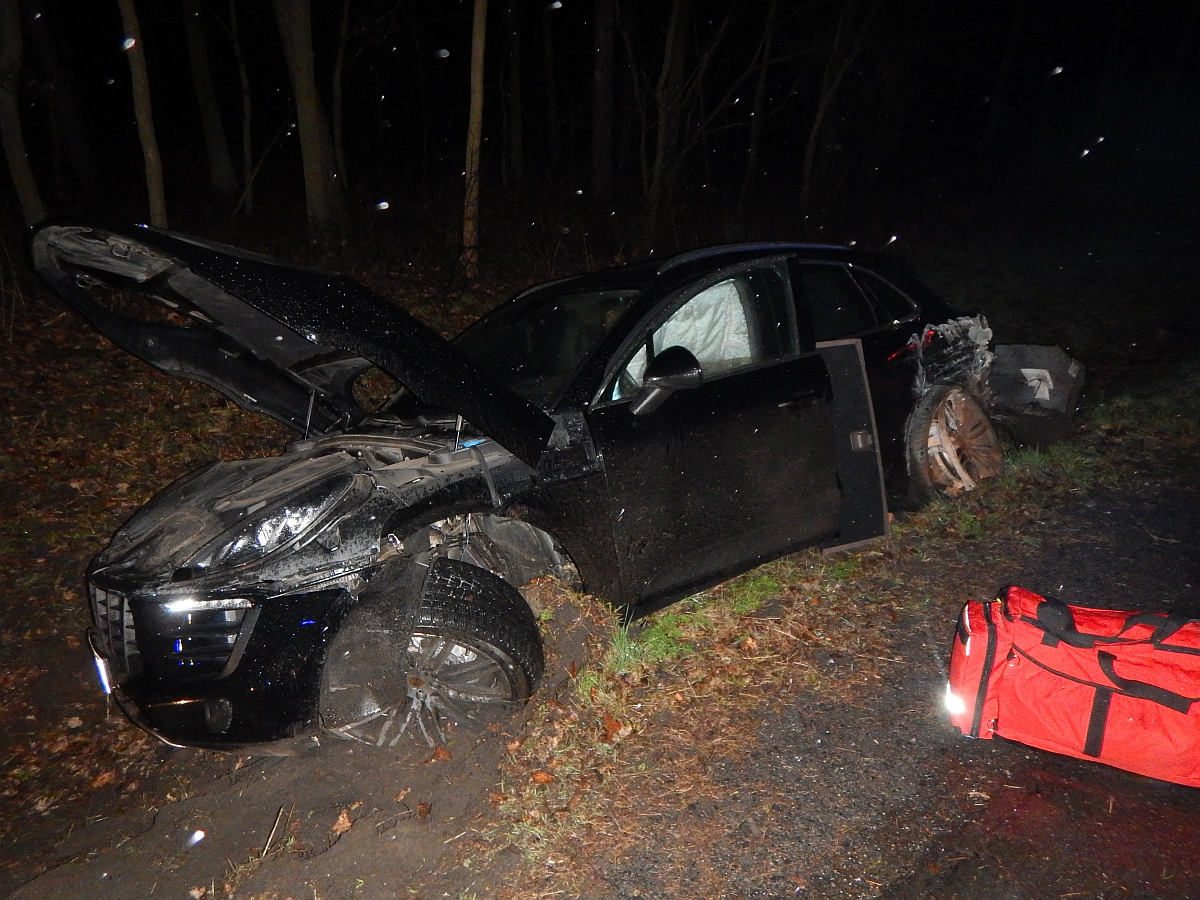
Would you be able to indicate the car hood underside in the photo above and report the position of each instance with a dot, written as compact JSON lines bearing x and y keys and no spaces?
{"x":272,"y":337}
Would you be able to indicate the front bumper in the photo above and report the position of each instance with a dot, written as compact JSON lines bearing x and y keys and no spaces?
{"x":270,"y":695}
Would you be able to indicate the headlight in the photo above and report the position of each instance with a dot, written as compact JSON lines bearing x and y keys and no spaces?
{"x":272,"y":529}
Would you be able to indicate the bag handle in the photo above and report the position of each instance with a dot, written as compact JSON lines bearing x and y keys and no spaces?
{"x":1140,"y":689}
{"x":1057,"y":623}
{"x":1137,"y":689}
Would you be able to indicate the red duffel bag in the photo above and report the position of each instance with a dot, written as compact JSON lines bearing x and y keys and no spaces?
{"x":1117,"y":687}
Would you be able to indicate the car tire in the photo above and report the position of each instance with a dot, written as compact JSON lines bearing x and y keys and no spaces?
{"x":951,"y":444}
{"x":467,"y":655}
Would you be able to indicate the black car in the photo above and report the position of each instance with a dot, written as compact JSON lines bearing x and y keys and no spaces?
{"x":644,"y":431}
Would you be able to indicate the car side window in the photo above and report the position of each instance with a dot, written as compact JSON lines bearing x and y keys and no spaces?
{"x":895,"y":305}
{"x":836,"y":305}
{"x":738,"y":322}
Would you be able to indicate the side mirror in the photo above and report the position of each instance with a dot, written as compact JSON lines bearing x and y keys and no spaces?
{"x":675,"y":369}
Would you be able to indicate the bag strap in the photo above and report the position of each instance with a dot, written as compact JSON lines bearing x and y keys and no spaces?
{"x":1140,"y":689}
{"x":1102,"y":700}
{"x":1137,"y":689}
{"x":985,"y":678}
{"x":1057,"y":622}
{"x":1097,"y":722}
{"x":1167,"y":629}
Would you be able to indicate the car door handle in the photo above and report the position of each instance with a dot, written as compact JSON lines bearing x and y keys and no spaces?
{"x":801,"y":399}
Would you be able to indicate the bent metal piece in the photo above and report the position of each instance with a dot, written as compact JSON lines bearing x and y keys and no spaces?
{"x":963,"y":449}
{"x":274,"y":337}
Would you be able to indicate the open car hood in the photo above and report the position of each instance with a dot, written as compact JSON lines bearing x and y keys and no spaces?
{"x":280,"y":339}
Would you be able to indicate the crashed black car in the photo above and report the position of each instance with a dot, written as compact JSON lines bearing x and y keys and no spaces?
{"x":644,"y":431}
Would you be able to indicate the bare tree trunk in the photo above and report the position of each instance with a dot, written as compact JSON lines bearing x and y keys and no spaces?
{"x":469,"y":261}
{"x":668,"y":101}
{"x":11,"y":56}
{"x":247,"y":142}
{"x":325,"y":200}
{"x":549,"y":86}
{"x":756,"y":113}
{"x":602,"y":101}
{"x":515,"y":168}
{"x":71,"y":140}
{"x":145,"y":118}
{"x":339,"y":153}
{"x":632,"y":147}
{"x":220,"y":167}
{"x":836,"y":67}
{"x":414,"y":32}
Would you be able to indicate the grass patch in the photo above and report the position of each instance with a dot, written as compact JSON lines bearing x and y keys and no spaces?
{"x":845,"y":570}
{"x":746,"y":594}
{"x":1167,"y":406}
{"x":693,"y":681}
{"x":696,"y":675}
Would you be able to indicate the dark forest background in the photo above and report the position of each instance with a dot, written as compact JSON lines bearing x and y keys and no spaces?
{"x":715,"y":120}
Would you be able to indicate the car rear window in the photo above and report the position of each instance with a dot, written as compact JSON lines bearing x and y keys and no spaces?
{"x":895,"y":305}
{"x":837,"y":307}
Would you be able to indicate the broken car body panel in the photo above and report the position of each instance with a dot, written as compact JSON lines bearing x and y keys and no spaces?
{"x":657,"y":428}
{"x":273,"y":337}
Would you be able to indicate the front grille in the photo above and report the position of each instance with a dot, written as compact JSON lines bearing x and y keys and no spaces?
{"x":196,"y":638}
{"x":116,"y":637}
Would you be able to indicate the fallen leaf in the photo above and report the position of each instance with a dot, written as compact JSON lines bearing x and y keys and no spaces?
{"x":74,"y":722}
{"x":441,"y":754}
{"x":542,"y":777}
{"x":59,"y":745}
{"x":513,"y":746}
{"x":496,"y":799}
{"x":198,"y":892}
{"x":399,"y":798}
{"x":423,"y":810}
{"x":614,"y":730}
{"x":343,"y":823}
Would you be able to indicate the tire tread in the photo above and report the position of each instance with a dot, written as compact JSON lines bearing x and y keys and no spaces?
{"x":465,"y":601}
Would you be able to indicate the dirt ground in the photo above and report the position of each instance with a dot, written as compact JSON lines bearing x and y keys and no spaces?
{"x":845,"y":782}
{"x":875,"y":797}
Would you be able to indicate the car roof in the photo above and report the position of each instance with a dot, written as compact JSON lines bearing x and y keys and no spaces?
{"x":734,"y":252}
{"x":683,"y":266}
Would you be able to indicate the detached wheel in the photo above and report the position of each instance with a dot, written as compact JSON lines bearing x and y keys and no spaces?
{"x":469,"y":655}
{"x":951,"y":444}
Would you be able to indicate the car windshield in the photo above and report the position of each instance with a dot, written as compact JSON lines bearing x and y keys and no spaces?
{"x":536,"y":345}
